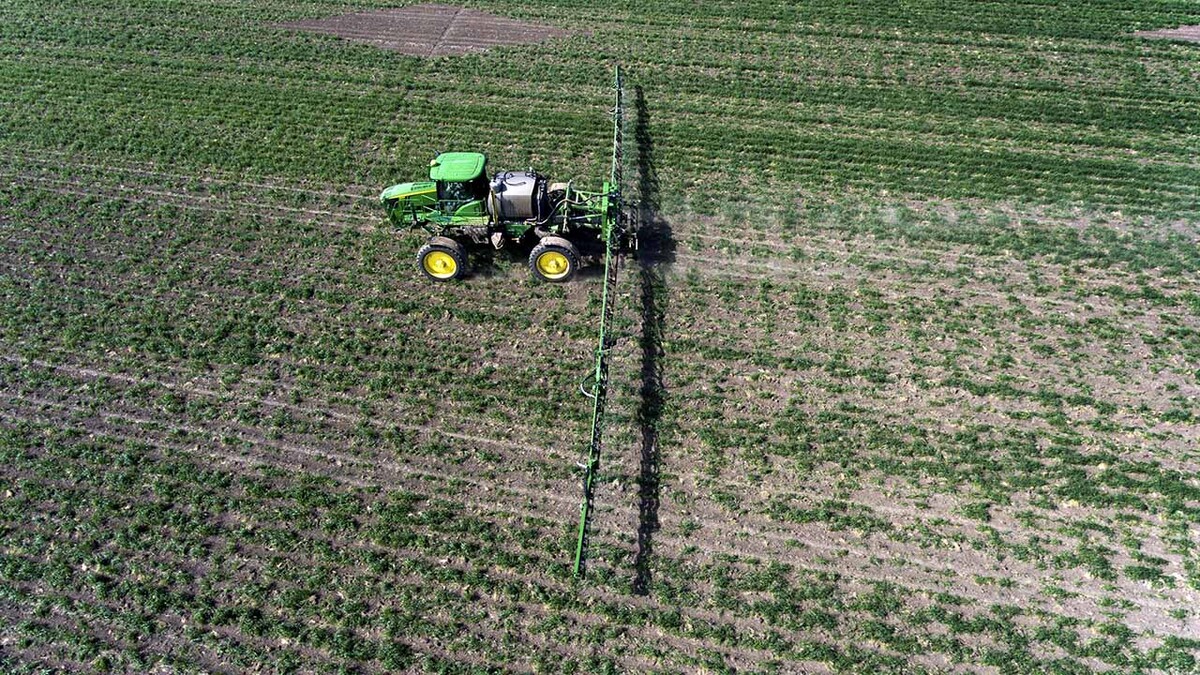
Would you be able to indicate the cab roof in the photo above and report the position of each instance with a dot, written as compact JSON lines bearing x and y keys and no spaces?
{"x":457,"y":166}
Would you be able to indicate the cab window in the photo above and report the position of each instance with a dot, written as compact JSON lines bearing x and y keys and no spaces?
{"x":462,"y":191}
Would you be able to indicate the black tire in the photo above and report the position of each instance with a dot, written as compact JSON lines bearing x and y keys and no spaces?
{"x":554,"y":260}
{"x":442,"y":259}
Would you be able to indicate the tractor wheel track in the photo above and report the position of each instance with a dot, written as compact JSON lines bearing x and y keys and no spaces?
{"x":94,"y":622}
{"x":649,"y":634}
{"x":314,"y":413}
{"x":208,"y":203}
{"x":301,"y":318}
{"x":949,"y":259}
{"x":352,"y":419}
{"x":779,"y":271}
{"x":210,"y":177}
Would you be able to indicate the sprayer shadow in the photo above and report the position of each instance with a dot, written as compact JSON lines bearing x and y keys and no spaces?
{"x":656,"y":252}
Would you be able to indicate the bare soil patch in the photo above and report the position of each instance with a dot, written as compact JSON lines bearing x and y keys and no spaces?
{"x":1183,"y":33}
{"x":431,"y":30}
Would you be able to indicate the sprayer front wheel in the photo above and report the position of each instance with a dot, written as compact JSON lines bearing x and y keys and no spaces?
{"x":554,"y":259}
{"x":442,"y":259}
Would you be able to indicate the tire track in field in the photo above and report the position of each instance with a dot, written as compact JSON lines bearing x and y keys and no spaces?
{"x":302,"y":316}
{"x":340,"y":466}
{"x":89,"y":621}
{"x":250,"y":193}
{"x":932,"y":358}
{"x":498,"y":603}
{"x":710,"y":264}
{"x":909,"y":356}
{"x":895,"y":289}
{"x":51,"y":656}
{"x":949,"y":260}
{"x":262,"y":451}
{"x":167,"y":643}
{"x":318,"y":414}
{"x":317,"y":654}
{"x":945,"y":416}
{"x":191,"y":201}
{"x":901,"y":288}
{"x":197,"y":207}
{"x":31,"y":656}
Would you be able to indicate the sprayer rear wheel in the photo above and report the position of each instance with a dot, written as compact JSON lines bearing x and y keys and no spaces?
{"x":554,"y":259}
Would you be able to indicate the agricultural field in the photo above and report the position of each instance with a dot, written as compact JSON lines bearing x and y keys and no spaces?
{"x":906,"y":381}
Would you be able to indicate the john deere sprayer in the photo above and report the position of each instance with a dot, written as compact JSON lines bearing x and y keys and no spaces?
{"x":461,"y":207}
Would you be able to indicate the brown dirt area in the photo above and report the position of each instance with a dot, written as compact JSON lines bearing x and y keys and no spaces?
{"x":430,"y":30}
{"x":1183,"y":33}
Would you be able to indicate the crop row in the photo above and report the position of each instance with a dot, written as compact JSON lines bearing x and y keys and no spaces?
{"x":276,"y":610}
{"x":377,"y":100}
{"x":254,"y":284}
{"x":848,"y":428}
{"x":406,"y":362}
{"x":324,"y":373}
{"x":930,"y":230}
{"x":720,"y":443}
{"x":1024,"y":19}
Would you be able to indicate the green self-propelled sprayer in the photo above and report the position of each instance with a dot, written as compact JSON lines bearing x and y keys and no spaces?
{"x":460,"y":208}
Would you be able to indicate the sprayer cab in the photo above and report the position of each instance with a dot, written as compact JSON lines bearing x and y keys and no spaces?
{"x":459,"y":175}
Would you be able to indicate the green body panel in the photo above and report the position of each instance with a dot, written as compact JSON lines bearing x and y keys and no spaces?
{"x":470,"y":212}
{"x":416,"y":204}
{"x":408,"y":203}
{"x":517,"y":230}
{"x":410,"y":191}
{"x":457,"y":166}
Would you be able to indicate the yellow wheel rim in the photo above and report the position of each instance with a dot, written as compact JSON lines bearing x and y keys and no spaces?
{"x":440,"y":265}
{"x":553,"y":265}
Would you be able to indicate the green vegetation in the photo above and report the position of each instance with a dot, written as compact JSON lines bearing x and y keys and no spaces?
{"x":914,"y":384}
